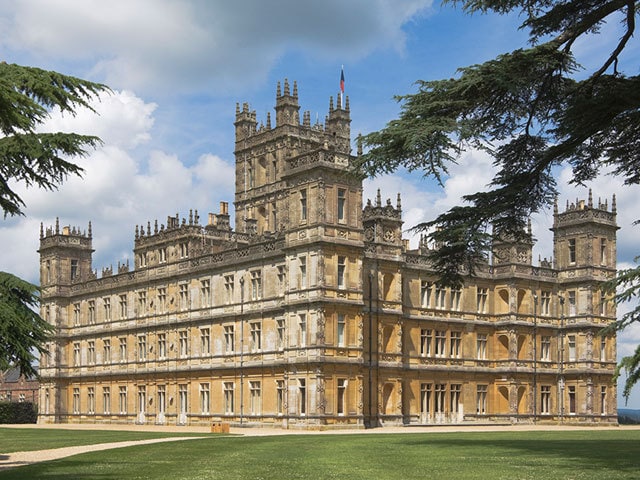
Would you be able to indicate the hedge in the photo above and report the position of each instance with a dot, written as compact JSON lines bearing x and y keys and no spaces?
{"x":12,"y":412}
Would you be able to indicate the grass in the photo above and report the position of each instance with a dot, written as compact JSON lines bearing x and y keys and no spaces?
{"x":585,"y":454}
{"x":29,"y":439}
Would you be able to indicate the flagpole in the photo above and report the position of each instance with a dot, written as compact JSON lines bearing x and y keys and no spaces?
{"x":342,"y":87}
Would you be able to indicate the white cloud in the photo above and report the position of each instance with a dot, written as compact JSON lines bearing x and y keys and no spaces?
{"x":178,"y":46}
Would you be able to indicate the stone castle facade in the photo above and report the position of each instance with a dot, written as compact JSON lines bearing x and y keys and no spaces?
{"x":314,"y":312}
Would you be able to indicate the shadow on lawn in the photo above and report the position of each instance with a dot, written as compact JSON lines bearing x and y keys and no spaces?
{"x":622,"y":455}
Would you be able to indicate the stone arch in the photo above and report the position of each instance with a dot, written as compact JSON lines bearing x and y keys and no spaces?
{"x":502,"y":301}
{"x":502,"y":352}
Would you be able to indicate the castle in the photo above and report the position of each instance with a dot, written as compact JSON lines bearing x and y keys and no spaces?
{"x":314,"y":312}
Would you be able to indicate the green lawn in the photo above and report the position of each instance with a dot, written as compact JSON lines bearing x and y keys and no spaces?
{"x":592,"y":454}
{"x":28,"y":439}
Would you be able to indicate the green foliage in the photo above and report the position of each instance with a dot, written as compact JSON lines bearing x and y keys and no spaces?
{"x":27,"y":95}
{"x":12,"y":412}
{"x":527,"y":110}
{"x":532,"y":113}
{"x":22,"y":331}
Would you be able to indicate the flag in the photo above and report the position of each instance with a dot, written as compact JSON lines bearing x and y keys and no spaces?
{"x":342,"y":80}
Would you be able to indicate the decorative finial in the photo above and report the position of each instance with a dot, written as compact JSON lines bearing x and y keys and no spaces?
{"x":41,"y":231}
{"x":399,"y":203}
{"x":278,"y":91}
{"x":378,"y":199}
{"x":590,"y":201}
{"x":90,"y":234}
{"x":57,"y":226}
{"x":295,"y":89}
{"x":269,"y":120}
{"x":613,"y":204}
{"x":331,"y":104}
{"x":555,"y":205}
{"x":287,"y":92}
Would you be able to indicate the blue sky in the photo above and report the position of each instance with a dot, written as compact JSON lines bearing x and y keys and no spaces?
{"x":177,"y":70}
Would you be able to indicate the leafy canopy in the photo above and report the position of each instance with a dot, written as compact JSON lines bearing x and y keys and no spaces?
{"x":27,"y":95}
{"x":532,"y":109}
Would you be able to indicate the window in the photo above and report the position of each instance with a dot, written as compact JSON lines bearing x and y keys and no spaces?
{"x":76,"y":314}
{"x":456,"y":293}
{"x":455,"y":343}
{"x":545,"y":399}
{"x":184,"y":249}
{"x":439,"y":399}
{"x":183,"y":348}
{"x":142,"y":347}
{"x":76,"y":354}
{"x":302,"y":396}
{"x":205,"y":293}
{"x":545,"y":303}
{"x":142,"y":398}
{"x":255,"y":398}
{"x":572,"y":303}
{"x":603,"y":251}
{"x":440,"y":297}
{"x":92,"y":312}
{"x":545,"y":348}
{"x":74,"y":269}
{"x":162,"y":255}
{"x":481,"y":346}
{"x":425,"y":342}
{"x":123,"y":349}
{"x":280,"y":397}
{"x":122,"y":400}
{"x":425,"y":293}
{"x":603,"y":400}
{"x":91,"y":352}
{"x":227,"y":389}
{"x":341,"y":330}
{"x":342,"y":201}
{"x":256,"y":285}
{"x":302,"y":330}
{"x":274,"y":217}
{"x":142,"y":302}
{"x":251,"y":174}
{"x":342,"y":391}
{"x":603,"y":303}
{"x":572,"y":348}
{"x":182,"y":401}
{"x":142,"y":259}
{"x":280,"y":326}
{"x":205,"y":341}
{"x":106,"y":350}
{"x":572,"y":400}
{"x":162,"y":345}
{"x":281,"y":277}
{"x":106,"y":302}
{"x":454,"y":396}
{"x":162,"y":399}
{"x":184,"y":296}
{"x":425,"y":399}
{"x":482,"y":300}
{"x":162,"y":300}
{"x":91,"y":400}
{"x":228,"y":287}
{"x":342,"y":266}
{"x":303,"y":205}
{"x":440,"y":347}
{"x":572,"y":251}
{"x":76,"y":400}
{"x":481,"y":399}
{"x":302,"y":263}
{"x":123,"y":306}
{"x":229,"y":341}
{"x":256,"y":336}
{"x":48,"y":271}
{"x":204,"y":398}
{"x":603,"y":349}
{"x":106,"y":400}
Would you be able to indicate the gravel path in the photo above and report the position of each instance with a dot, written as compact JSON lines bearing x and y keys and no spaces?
{"x":17,"y":459}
